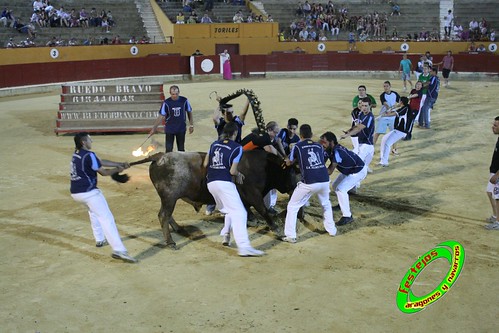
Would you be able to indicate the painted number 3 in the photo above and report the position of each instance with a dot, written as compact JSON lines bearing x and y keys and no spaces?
{"x":54,"y":53}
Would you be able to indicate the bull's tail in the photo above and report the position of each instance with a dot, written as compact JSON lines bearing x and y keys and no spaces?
{"x":123,"y":178}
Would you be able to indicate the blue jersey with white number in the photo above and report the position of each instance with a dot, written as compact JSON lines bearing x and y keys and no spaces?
{"x":174,"y":112}
{"x":84,"y":166}
{"x":223,"y":153}
{"x":310,"y":156}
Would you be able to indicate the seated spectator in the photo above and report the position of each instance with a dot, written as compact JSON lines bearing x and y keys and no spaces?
{"x":144,"y":40}
{"x":299,"y":9}
{"x":303,"y":35}
{"x":95,"y":20}
{"x":72,"y":42}
{"x":11,"y":44}
{"x":249,"y":19}
{"x":105,"y":25}
{"x":132,"y":40}
{"x":104,"y":41}
{"x":24,"y":28}
{"x":238,"y":17}
{"x":466,"y":35}
{"x":116,"y":40}
{"x":7,"y":18}
{"x":74,"y":19}
{"x":52,"y":42}
{"x":110,"y":19}
{"x":492,"y":36}
{"x":63,"y":17}
{"x":36,"y":19}
{"x":457,"y":31}
{"x":270,"y":18}
{"x":191,"y":20}
{"x":180,"y":19}
{"x":206,"y":19}
{"x":474,"y":29}
{"x":84,"y":18}
{"x":197,"y":53}
{"x":481,"y":48}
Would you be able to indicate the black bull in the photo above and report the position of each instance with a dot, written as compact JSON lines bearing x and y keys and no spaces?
{"x":182,"y":176}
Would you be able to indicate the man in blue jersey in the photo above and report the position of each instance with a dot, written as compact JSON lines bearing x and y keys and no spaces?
{"x":433,"y":87}
{"x":84,"y":168}
{"x":493,"y":184}
{"x":365,"y":131}
{"x":287,"y":137}
{"x":174,"y":111}
{"x":352,"y":171}
{"x":315,"y":180}
{"x":404,"y":119}
{"x":225,"y":114}
{"x":221,"y":164}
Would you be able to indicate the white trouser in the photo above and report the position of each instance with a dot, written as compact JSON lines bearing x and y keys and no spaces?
{"x":387,"y":142}
{"x":270,"y":200}
{"x":227,"y":198}
{"x":420,"y":106}
{"x":301,"y":195}
{"x":355,"y":144}
{"x":366,"y":153}
{"x":101,"y":218}
{"x":344,"y":183}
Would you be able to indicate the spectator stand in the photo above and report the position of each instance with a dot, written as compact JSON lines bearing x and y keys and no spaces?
{"x":121,"y":12}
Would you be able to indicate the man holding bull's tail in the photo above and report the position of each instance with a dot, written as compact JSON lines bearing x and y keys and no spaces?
{"x":315,"y":180}
{"x":221,"y":163}
{"x":84,"y":168}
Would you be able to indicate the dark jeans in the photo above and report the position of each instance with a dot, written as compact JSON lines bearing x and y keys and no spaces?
{"x":170,"y":137}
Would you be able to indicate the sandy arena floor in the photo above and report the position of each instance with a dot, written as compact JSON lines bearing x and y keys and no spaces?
{"x":54,"y":279}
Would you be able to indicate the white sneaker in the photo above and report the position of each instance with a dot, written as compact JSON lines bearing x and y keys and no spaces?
{"x":369,"y":170}
{"x":123,"y":255}
{"x":288,"y":239}
{"x":492,"y":226}
{"x":491,"y":219}
{"x":226,"y":240}
{"x":250,"y":252}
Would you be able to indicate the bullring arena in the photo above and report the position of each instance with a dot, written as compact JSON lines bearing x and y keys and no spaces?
{"x":54,"y":279}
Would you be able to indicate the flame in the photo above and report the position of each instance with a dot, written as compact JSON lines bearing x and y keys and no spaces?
{"x":140,"y":152}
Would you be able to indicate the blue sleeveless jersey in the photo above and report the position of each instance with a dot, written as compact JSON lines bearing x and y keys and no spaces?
{"x":223,"y":153}
{"x":175,"y":114}
{"x":84,"y":166}
{"x":310,"y":156}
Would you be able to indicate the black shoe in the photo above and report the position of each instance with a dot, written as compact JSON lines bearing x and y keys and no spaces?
{"x":345,"y":220}
{"x":336,"y":208}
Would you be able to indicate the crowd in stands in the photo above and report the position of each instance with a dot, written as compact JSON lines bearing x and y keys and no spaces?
{"x":45,"y":15}
{"x":318,"y":21}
